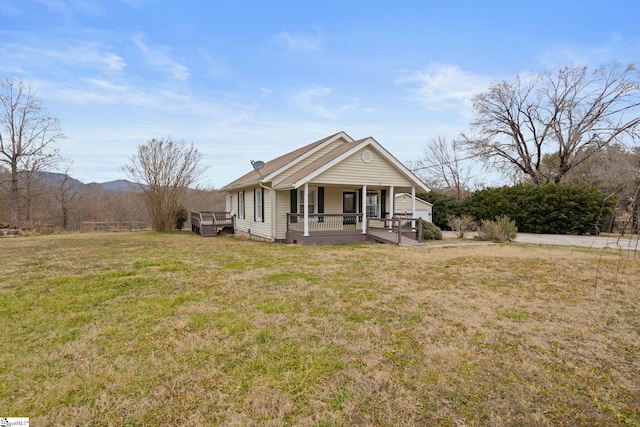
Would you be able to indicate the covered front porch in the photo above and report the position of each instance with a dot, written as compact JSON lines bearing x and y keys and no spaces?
{"x":335,"y":214}
{"x":324,"y":229}
{"x":335,"y":229}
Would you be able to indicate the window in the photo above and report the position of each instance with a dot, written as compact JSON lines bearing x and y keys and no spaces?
{"x":349,"y":202}
{"x":312,"y":201}
{"x":258,"y":205}
{"x":349,"y":206}
{"x":372,"y":204}
{"x":241,"y":204}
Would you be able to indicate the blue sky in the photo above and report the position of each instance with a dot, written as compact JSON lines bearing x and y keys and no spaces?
{"x":249,"y":80}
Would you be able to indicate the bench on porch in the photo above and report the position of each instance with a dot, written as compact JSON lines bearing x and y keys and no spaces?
{"x":209,"y":223}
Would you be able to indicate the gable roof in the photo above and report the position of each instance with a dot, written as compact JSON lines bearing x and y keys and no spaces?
{"x":318,"y":165}
{"x":280,"y":164}
{"x":324,"y":162}
{"x":419,"y":201}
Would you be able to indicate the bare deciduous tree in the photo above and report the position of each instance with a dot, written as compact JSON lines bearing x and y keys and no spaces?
{"x":571,"y":114}
{"x":67,"y":193}
{"x":207,"y":200}
{"x":5,"y":214}
{"x":606,"y":170}
{"x":166,"y":169}
{"x":443,"y":167}
{"x":26,"y":131}
{"x":29,"y":177}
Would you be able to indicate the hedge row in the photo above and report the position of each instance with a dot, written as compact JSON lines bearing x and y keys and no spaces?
{"x":549,"y":208}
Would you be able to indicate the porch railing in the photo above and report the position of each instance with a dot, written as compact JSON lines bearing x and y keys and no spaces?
{"x":403,"y":224}
{"x":220,"y":219}
{"x":324,"y":222}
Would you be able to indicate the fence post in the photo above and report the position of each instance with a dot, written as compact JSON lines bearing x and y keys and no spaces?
{"x":420,"y":229}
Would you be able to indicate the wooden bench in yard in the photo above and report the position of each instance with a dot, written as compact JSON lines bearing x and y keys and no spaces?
{"x":209,"y":223}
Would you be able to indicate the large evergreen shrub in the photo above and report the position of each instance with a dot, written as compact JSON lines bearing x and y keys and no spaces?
{"x":548,"y":208}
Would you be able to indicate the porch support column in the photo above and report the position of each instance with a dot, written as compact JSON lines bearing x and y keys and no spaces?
{"x":274,"y":230}
{"x":364,"y":209}
{"x":306,"y":209}
{"x":392,"y":209}
{"x":413,"y":207}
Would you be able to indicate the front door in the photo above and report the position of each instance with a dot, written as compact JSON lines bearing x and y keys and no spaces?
{"x":349,"y":206}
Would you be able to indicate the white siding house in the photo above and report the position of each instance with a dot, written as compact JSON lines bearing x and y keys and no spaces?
{"x":329,"y":191}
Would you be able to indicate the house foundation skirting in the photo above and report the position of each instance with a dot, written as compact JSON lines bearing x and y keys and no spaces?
{"x":250,"y":236}
{"x":326,"y":237}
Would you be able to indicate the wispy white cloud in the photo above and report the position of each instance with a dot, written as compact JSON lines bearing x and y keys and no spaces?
{"x":68,"y":8}
{"x":48,"y":59}
{"x":90,"y":54}
{"x":444,"y":87}
{"x":214,"y":67}
{"x":617,"y":48}
{"x":158,"y":56}
{"x":322,"y":101}
{"x":174,"y":105}
{"x":57,"y":6}
{"x":7,"y":8}
{"x":93,"y":91}
{"x":299,"y":42}
{"x":265,"y":92}
{"x":134,"y":3}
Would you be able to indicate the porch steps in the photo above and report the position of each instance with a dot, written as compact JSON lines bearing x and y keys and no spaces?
{"x":208,"y":231}
{"x":383,"y":235}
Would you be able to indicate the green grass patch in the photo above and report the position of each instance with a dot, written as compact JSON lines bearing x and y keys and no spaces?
{"x":513,"y":314}
{"x":155,"y":329}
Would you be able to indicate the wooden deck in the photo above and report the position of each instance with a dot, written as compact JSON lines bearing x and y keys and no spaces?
{"x":385,"y":235}
{"x":335,"y":229}
{"x":209,"y":223}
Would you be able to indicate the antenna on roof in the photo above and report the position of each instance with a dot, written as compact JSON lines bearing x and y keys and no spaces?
{"x":257,"y":165}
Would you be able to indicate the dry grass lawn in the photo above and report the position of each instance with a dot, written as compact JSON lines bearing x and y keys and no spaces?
{"x":144,"y":329}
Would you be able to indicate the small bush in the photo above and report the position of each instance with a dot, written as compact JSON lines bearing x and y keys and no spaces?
{"x":461,"y":224}
{"x":430,"y":231}
{"x":181,"y":217}
{"x":503,"y":229}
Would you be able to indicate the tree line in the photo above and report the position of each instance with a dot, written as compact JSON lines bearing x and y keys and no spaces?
{"x":575,"y":128}
{"x":166,"y":171}
{"x":58,"y":202}
{"x":545,"y":208}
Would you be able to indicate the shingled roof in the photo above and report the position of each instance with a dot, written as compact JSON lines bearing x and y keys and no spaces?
{"x":318,"y":163}
{"x":281,"y":162}
{"x":287,"y":171}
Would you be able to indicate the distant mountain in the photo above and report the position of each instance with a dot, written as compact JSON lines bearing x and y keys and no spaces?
{"x":119,"y":185}
{"x":53,"y":178}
